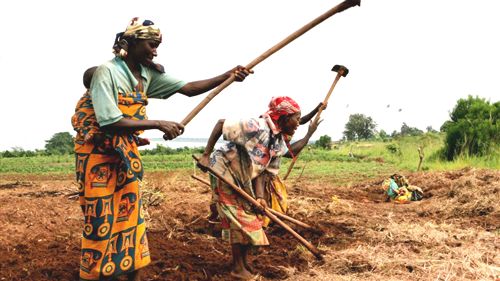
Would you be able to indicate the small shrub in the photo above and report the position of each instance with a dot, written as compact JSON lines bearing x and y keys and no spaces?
{"x":393,"y":148}
{"x":324,"y":142}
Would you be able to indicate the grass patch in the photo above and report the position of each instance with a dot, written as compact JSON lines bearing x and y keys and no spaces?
{"x":347,"y":160}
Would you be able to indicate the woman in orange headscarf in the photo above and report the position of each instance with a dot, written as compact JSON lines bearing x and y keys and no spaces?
{"x":109,"y":171}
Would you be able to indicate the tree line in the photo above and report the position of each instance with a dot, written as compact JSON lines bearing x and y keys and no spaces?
{"x":62,"y":144}
{"x":473,"y":130}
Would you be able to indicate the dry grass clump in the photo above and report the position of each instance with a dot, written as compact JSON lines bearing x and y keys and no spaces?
{"x":152,"y":194}
{"x":311,"y":207}
{"x":301,"y":253}
{"x":174,"y":193}
{"x":472,"y":199}
{"x":338,"y":206}
{"x":304,"y":206}
{"x":472,"y":194}
{"x":410,"y":251}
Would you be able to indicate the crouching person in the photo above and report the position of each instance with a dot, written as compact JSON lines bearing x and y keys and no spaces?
{"x":399,"y":190}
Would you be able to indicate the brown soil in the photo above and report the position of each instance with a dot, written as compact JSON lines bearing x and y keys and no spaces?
{"x":452,"y":234}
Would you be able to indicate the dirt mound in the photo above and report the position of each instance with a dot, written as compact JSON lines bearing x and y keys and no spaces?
{"x":450,"y":234}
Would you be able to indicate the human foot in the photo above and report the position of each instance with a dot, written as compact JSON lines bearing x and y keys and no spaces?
{"x":245,"y":275}
{"x":249,"y":268}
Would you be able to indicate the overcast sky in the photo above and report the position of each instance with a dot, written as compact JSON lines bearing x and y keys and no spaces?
{"x":417,"y":56}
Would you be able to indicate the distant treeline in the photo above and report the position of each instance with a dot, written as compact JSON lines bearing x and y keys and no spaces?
{"x":473,"y":130}
{"x":158,"y":150}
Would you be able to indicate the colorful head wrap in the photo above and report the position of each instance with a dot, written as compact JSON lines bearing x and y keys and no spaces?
{"x":280,"y":106}
{"x":145,"y":30}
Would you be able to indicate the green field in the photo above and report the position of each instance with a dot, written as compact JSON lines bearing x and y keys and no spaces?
{"x":342,"y":162}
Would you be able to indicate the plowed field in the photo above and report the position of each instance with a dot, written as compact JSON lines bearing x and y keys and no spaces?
{"x":452,"y":234}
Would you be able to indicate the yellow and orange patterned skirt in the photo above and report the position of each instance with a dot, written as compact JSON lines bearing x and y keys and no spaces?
{"x":109,"y":173}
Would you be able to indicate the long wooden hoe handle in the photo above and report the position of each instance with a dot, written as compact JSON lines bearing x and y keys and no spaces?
{"x":325,"y":101}
{"x":316,"y":118}
{"x":278,"y":214}
{"x":290,"y":219}
{"x":200,"y":179}
{"x":337,"y":9}
{"x":268,"y":213}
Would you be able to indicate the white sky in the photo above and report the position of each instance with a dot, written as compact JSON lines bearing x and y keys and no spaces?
{"x":418,"y":56}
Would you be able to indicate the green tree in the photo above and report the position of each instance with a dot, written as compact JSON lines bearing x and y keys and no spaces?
{"x":324,"y":142}
{"x":60,"y":143}
{"x":383,"y":135}
{"x":473,"y":129}
{"x":410,"y":131}
{"x":429,"y":129}
{"x":359,"y":127}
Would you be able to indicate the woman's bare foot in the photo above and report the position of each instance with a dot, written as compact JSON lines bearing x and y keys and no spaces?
{"x":245,"y":261}
{"x":243,"y":274}
{"x":239,"y":264}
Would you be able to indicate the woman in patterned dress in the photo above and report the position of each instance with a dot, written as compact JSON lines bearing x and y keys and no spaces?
{"x":255,"y":146}
{"x":108,"y":120}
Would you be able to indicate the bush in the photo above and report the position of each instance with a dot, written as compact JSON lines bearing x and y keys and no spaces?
{"x":383,"y":135}
{"x":60,"y":143}
{"x":393,"y":148}
{"x":473,"y":129}
{"x":324,"y":142}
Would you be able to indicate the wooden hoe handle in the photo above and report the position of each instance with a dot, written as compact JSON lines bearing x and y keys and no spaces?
{"x":339,"y":74}
{"x":341,"y":71}
{"x":276,"y":213}
{"x":267,"y":211}
{"x":200,"y":179}
{"x":337,"y":9}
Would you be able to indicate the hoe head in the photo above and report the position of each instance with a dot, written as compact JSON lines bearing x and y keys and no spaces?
{"x":341,"y":69}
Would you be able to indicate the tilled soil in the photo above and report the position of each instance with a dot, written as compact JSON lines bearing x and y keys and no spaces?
{"x":452,"y":234}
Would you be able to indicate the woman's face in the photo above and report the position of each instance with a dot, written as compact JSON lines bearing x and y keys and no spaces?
{"x":144,"y":51}
{"x":290,"y":123}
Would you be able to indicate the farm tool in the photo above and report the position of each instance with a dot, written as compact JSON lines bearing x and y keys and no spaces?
{"x":267,"y":211}
{"x":342,"y":71}
{"x":276,"y":213}
{"x":337,"y":9}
